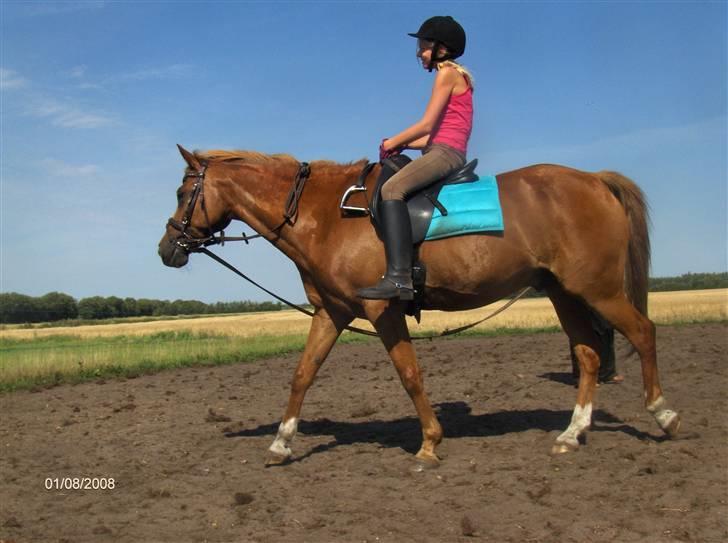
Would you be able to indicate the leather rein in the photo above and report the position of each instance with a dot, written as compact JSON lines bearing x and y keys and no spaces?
{"x":193,"y":244}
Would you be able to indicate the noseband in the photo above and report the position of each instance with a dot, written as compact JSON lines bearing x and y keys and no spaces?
{"x":192,"y":244}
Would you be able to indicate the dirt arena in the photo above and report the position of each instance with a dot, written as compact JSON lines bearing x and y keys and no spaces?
{"x":186,"y":450}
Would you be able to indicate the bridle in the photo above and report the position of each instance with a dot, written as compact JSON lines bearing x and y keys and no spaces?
{"x":192,"y":244}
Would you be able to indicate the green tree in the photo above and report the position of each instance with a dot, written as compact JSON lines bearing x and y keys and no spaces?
{"x":146,"y":307}
{"x":95,"y":307}
{"x":130,"y":308}
{"x":115,"y":305}
{"x":57,"y":306}
{"x":17,"y":308}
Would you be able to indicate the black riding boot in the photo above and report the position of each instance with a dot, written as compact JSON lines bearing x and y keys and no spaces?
{"x":397,"y":236}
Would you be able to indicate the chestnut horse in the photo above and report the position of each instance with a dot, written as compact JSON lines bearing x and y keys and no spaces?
{"x":582,"y":237}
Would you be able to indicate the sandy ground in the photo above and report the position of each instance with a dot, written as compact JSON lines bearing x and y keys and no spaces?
{"x":186,"y":449}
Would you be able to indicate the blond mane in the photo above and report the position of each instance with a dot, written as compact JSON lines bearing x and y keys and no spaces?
{"x":255,"y":157}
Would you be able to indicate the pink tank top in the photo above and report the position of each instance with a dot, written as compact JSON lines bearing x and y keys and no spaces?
{"x":456,"y":122}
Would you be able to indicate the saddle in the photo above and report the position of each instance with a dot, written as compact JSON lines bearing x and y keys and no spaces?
{"x":421,"y":205}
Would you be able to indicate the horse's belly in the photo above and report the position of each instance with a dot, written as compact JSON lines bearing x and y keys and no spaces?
{"x":444,"y":299}
{"x":473,"y":271}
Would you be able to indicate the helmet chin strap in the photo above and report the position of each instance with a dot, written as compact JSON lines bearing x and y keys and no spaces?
{"x":433,"y":55}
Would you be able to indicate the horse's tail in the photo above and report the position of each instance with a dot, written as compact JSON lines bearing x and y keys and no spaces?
{"x":638,"y":253}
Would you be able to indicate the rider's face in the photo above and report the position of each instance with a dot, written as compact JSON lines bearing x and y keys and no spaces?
{"x":424,"y":51}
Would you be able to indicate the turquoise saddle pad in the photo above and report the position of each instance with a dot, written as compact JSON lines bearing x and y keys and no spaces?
{"x":471,"y":207}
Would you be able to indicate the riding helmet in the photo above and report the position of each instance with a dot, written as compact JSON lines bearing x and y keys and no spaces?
{"x":445,"y":30}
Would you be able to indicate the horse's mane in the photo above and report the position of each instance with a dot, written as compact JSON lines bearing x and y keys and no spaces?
{"x":254,"y":157}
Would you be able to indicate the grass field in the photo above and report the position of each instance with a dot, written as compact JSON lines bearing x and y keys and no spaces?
{"x":45,"y":355}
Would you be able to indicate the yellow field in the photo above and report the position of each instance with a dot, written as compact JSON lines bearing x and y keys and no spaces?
{"x":664,"y":307}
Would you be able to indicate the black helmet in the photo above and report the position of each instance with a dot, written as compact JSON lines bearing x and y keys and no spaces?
{"x":444,"y":30}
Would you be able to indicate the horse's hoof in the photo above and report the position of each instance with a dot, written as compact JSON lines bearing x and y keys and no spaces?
{"x":274,"y":459}
{"x":673,"y":427}
{"x":426,"y":461}
{"x":421,"y":466}
{"x":563,"y":447}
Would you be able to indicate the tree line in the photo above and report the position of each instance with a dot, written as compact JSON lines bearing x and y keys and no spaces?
{"x":55,"y":306}
{"x":689,"y":281}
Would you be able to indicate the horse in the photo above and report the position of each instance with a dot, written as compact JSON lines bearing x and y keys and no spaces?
{"x":581,"y":237}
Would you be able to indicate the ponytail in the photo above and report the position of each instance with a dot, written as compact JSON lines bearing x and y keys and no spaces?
{"x":462,"y":70}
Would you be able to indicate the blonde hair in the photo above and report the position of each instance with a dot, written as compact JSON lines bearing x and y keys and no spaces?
{"x":460,"y":68}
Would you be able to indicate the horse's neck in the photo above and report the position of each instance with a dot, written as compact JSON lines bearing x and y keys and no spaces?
{"x":319,"y":199}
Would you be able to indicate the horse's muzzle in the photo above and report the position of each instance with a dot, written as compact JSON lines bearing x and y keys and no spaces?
{"x":171,"y":253}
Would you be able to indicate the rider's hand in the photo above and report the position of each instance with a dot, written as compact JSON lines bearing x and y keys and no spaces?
{"x":386,"y":153}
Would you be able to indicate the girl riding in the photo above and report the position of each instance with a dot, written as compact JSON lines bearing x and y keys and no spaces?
{"x":441,"y":134}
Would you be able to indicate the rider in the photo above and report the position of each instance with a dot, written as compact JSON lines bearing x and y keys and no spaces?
{"x":442,"y":134}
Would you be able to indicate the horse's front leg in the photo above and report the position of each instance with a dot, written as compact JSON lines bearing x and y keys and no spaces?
{"x":390,"y":323}
{"x":325,"y":330}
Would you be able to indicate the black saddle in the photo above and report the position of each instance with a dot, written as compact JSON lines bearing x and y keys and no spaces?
{"x":421,"y":204}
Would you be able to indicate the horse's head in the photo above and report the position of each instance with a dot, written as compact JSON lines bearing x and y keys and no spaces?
{"x":200,"y":213}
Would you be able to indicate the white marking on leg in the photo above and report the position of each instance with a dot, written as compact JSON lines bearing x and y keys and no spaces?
{"x":662,"y":414}
{"x":580,"y":421}
{"x":286,"y":433}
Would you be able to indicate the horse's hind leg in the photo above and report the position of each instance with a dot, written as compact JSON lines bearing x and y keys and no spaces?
{"x":640,"y":332}
{"x":390,"y":323}
{"x":325,"y":330}
{"x":576,"y":322}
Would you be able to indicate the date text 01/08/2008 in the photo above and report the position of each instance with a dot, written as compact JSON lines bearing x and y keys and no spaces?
{"x":79,"y":483}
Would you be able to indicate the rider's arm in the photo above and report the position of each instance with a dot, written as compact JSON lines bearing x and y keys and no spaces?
{"x":419,"y":143}
{"x":444,"y":83}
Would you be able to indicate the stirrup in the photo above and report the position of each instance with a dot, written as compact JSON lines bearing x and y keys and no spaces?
{"x":405,"y":292}
{"x":384,"y":291}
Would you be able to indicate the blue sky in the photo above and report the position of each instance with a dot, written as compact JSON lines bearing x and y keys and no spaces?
{"x":95,"y":95}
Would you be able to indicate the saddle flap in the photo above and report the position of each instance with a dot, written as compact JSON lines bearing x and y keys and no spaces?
{"x":465,"y":174}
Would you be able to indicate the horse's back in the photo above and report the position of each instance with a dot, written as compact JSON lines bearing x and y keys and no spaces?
{"x":557,"y":219}
{"x":566,"y":200}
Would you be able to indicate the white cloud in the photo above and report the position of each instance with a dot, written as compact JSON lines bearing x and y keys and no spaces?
{"x":78,"y":74}
{"x":63,"y":169}
{"x":68,"y":115}
{"x":630,"y":144}
{"x":161,"y":72}
{"x":77,"y":71}
{"x":87,"y":86}
{"x":10,"y":79}
{"x":155,"y":73}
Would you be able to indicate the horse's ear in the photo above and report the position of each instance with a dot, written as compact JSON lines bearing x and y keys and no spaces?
{"x":190,"y":159}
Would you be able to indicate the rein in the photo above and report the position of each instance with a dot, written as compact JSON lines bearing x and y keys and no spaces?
{"x":362,"y":331}
{"x":297,"y":307}
{"x":199,"y":244}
